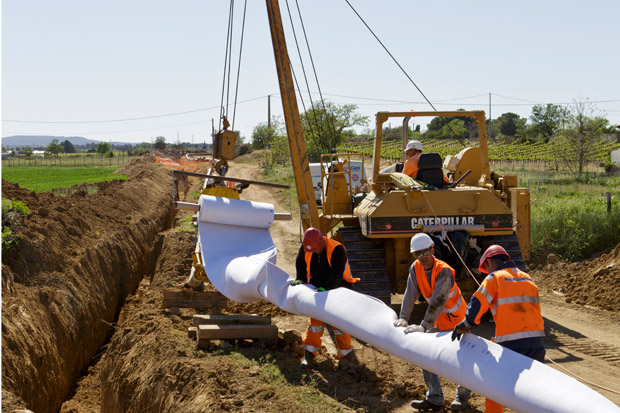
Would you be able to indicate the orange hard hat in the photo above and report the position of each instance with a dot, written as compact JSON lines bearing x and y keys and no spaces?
{"x":492,"y":251}
{"x":312,"y":240}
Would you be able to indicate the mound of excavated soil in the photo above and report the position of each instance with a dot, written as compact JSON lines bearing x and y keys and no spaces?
{"x":64,"y":282}
{"x":595,"y":282}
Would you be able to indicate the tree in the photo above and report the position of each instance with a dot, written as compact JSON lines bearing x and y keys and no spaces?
{"x":508,"y":123}
{"x":324,"y":126}
{"x":436,"y":129}
{"x":68,"y":147}
{"x":548,"y":120}
{"x":27,"y":152}
{"x":160,"y":143}
{"x":262,"y":133}
{"x":54,"y":148}
{"x":102,"y":148}
{"x":456,"y":126}
{"x":585,"y":129}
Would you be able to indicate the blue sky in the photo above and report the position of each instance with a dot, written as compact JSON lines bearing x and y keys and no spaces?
{"x":84,"y":68}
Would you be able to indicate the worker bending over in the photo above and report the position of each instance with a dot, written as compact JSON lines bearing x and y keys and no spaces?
{"x":323,"y":262}
{"x":434,"y":280}
{"x":512,"y":297}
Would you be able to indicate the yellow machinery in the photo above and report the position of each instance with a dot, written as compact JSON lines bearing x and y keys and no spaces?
{"x":477,"y":209}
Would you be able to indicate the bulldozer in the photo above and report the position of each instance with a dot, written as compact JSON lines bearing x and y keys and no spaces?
{"x":476,"y":209}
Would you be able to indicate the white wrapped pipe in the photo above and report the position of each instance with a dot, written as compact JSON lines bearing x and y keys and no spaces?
{"x":240,"y":260}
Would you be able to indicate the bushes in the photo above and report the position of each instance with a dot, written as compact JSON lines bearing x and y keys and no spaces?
{"x":574,"y":225}
{"x":13,"y":215}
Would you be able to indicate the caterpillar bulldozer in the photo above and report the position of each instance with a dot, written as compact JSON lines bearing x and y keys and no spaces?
{"x":476,"y":209}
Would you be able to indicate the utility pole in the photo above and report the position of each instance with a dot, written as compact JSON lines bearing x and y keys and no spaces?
{"x":490,"y":135}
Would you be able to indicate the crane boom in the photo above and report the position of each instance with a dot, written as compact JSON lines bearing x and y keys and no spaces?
{"x":299,"y":156}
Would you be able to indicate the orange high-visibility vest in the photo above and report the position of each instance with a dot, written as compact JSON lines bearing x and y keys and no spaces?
{"x":330,"y":244}
{"x":513,"y":298}
{"x":454,"y":311}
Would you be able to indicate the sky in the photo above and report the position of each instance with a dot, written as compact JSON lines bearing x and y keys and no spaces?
{"x":133,"y":70}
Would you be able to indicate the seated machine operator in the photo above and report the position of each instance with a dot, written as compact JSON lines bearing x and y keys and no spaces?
{"x":413,"y":151}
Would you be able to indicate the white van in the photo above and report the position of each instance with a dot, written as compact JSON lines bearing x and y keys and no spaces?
{"x":357,"y":174}
{"x":315,"y":171}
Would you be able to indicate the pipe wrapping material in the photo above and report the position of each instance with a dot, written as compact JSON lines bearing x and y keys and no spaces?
{"x":240,"y":261}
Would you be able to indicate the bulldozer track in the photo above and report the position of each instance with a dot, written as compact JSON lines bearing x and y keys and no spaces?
{"x":584,"y":345}
{"x":510,"y":244}
{"x":367,"y":262}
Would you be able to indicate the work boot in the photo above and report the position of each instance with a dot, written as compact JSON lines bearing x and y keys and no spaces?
{"x":308,"y":359}
{"x":459,"y":403}
{"x":426,"y":406}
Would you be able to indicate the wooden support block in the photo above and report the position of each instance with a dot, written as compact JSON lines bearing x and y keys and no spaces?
{"x":208,"y":332}
{"x":194,"y":299}
{"x":201,"y":319}
{"x":191,"y":332}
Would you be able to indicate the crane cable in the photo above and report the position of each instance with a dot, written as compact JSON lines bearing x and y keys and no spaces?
{"x":474,"y":278}
{"x":245,"y":5}
{"x":303,"y":104}
{"x":406,"y":74}
{"x":226,"y":81}
{"x":445,"y":233}
{"x":330,"y":122}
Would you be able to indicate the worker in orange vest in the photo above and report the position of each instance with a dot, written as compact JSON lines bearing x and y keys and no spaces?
{"x":323,"y":263}
{"x":434,"y":280}
{"x":512,"y":297}
{"x":413,"y":150}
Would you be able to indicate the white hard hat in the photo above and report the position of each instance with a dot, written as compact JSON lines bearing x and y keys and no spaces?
{"x":414,"y":145}
{"x":421,"y":242}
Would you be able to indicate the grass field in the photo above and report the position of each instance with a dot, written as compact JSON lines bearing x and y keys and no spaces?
{"x":69,"y":160}
{"x":44,"y":179}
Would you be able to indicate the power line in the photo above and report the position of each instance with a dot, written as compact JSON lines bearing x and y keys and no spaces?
{"x":130,"y":119}
{"x":120,"y":131}
{"x":383,"y":101}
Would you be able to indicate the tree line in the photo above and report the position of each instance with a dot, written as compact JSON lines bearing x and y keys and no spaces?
{"x":576,"y":129}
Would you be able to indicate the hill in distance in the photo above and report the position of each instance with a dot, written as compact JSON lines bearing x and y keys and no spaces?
{"x":21,"y":141}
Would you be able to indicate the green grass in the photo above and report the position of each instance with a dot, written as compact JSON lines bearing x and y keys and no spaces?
{"x":571,"y":219}
{"x":45,"y":179}
{"x":569,"y":215}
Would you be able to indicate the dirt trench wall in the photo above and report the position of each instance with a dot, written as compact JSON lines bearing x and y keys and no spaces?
{"x":79,"y":258}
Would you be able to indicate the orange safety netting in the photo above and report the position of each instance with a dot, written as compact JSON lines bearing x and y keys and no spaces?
{"x":184,"y":163}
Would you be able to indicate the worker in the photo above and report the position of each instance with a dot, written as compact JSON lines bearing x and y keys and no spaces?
{"x":322,"y":262}
{"x":512,"y":297}
{"x":413,"y":150}
{"x":434,"y":280}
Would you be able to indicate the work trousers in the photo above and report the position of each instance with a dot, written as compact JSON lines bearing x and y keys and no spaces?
{"x":435,"y":392}
{"x":536,"y":353}
{"x":314,"y":332}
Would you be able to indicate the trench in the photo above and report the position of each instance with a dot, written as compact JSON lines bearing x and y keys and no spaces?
{"x":89,"y":376}
{"x":81,"y":257}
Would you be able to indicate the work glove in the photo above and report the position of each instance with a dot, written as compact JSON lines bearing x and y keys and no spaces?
{"x":462,"y":327}
{"x":401,"y":322}
{"x":296,"y":282}
{"x":415,"y":329}
{"x":320,"y":289}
